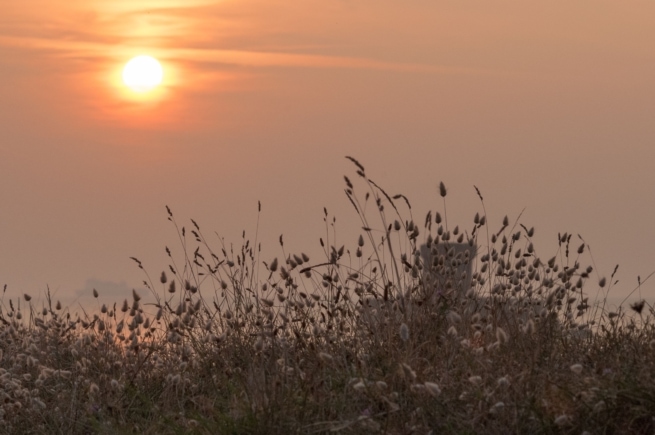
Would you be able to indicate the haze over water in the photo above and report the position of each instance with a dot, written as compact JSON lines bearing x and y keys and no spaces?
{"x":544,"y":106}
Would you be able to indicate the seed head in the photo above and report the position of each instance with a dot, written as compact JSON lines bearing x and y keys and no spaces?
{"x":95,"y":293}
{"x":576,"y":368}
{"x":442,"y":189}
{"x":501,"y":335}
{"x":432,"y":388}
{"x":408,"y":372}
{"x":503,"y":382}
{"x":404,"y":332}
{"x":453,"y":317}
{"x":638,"y":306}
{"x":27,"y":297}
{"x":529,"y":327}
{"x":475,"y":380}
{"x":498,"y":406}
{"x":325,"y":357}
{"x":259,"y":344}
{"x":563,"y":420}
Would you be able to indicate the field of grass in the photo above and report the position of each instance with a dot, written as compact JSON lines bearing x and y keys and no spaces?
{"x":372,"y":338}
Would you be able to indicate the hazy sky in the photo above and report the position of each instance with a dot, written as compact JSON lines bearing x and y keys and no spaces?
{"x":546,"y":106}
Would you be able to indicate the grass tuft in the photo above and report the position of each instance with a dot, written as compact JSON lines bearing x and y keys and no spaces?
{"x":431,"y":329}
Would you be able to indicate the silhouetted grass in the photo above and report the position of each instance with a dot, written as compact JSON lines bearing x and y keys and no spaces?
{"x":371,"y":338}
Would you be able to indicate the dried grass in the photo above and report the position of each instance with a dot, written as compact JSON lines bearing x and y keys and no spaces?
{"x":379,"y":341}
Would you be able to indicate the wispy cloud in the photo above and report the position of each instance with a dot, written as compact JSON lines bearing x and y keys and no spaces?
{"x":246,"y":58}
{"x":198,"y":32}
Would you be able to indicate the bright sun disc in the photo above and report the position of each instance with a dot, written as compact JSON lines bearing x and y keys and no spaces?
{"x":142,"y":73}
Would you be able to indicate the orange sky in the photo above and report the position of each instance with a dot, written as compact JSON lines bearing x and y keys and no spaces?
{"x":545,"y":106}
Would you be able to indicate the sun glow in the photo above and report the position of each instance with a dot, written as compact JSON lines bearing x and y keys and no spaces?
{"x":143,"y":73}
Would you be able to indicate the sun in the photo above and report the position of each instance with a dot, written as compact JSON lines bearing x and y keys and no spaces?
{"x":143,"y":73}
